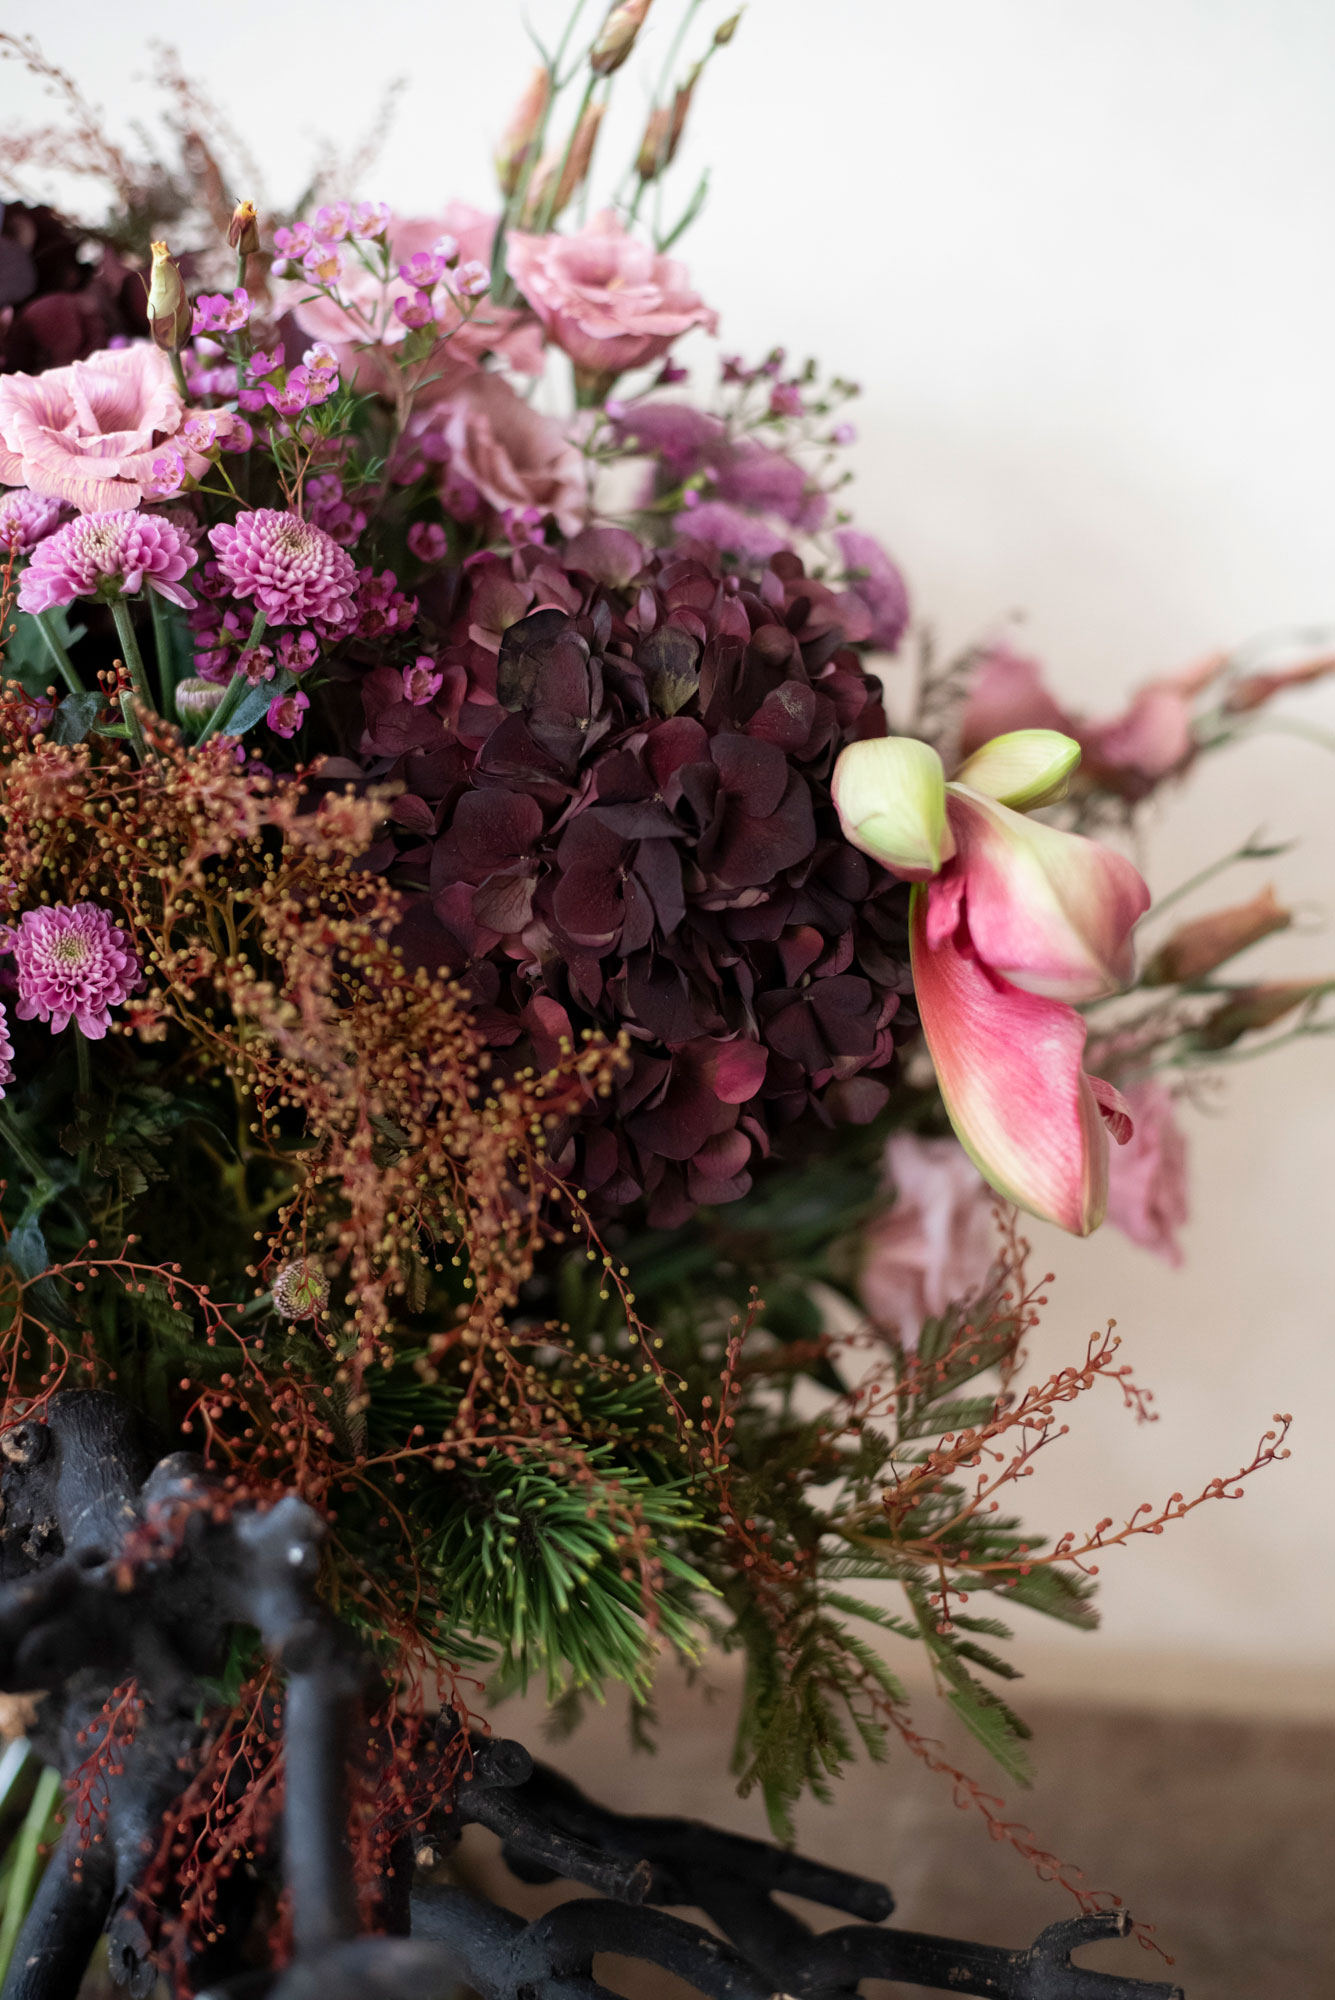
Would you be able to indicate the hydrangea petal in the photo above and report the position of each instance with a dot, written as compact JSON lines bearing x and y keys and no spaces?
{"x":1051,"y":912}
{"x":1009,"y":1064}
{"x":890,"y":793}
{"x":1022,"y":769}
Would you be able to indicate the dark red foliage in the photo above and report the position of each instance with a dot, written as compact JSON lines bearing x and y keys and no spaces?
{"x":619,"y":805}
{"x":58,"y":301}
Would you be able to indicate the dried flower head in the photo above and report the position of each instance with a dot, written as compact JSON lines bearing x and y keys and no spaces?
{"x":73,"y":964}
{"x":296,"y":573}
{"x":107,"y":556}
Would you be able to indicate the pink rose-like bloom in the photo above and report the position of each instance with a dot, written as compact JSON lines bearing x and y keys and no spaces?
{"x":609,"y":301}
{"x":936,"y":1245}
{"x":512,"y":454}
{"x":27,"y":519}
{"x":6,"y":1052}
{"x":73,"y":964}
{"x":297,"y":574}
{"x":89,"y":434}
{"x":1147,"y":1177}
{"x":108,"y":555}
{"x":285,"y":713}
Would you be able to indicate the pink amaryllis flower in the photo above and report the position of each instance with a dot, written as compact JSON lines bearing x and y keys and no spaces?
{"x":90,"y":434}
{"x":1013,"y":924}
{"x":73,"y":964}
{"x":610,"y":301}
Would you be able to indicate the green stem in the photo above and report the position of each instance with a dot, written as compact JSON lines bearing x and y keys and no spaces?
{"x":134,"y":659}
{"x":134,"y":727}
{"x":36,"y":1831}
{"x":236,"y":687}
{"x":179,"y":372}
{"x":84,"y":1067}
{"x":162,"y":646}
{"x":543,"y":220}
{"x":64,"y":664}
{"x":18,"y":1147}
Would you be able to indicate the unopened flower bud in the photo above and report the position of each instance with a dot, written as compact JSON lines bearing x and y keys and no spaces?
{"x":1253,"y":1008}
{"x":617,"y":37}
{"x":300,"y":1290}
{"x":1198,"y":947}
{"x":521,"y":134}
{"x":548,"y":200}
{"x":169,"y":310}
{"x":196,"y":700}
{"x":243,"y":231}
{"x":725,"y":31}
{"x":662,"y":134}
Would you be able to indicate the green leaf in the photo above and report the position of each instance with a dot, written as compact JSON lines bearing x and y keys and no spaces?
{"x":995,"y":1728}
{"x":76,"y":716}
{"x":254,"y":703}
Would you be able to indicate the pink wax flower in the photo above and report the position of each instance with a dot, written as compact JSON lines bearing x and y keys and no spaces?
{"x":221,"y":312}
{"x":295,"y":572}
{"x":73,"y":964}
{"x":512,"y":454}
{"x":609,"y":301}
{"x":936,"y":1245}
{"x":421,"y":681}
{"x":27,"y":519}
{"x":1147,"y":1179}
{"x":89,"y":434}
{"x":285,"y":713}
{"x":108,"y":556}
{"x":6,"y":1052}
{"x":297,"y":651}
{"x":428,"y":541}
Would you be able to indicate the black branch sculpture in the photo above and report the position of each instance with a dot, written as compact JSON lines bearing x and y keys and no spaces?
{"x":93,"y":1594}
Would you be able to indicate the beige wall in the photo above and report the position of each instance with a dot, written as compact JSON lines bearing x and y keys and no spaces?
{"x":1080,"y":257}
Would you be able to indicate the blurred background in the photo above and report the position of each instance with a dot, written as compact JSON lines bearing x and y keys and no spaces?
{"x":1079,"y":259}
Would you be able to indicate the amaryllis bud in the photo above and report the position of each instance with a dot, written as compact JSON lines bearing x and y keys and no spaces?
{"x":617,"y":37}
{"x":662,"y":134}
{"x":196,"y":700}
{"x":725,"y":31}
{"x":1253,"y":1008}
{"x":548,"y":200}
{"x":300,"y":1290}
{"x":1198,"y":947}
{"x":169,"y":310}
{"x":521,"y":133}
{"x":243,"y":231}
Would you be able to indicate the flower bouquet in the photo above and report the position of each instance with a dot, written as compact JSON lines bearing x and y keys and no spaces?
{"x":520,"y":1081}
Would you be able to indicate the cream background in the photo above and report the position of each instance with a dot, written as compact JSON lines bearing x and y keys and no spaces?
{"x":1079,"y":256}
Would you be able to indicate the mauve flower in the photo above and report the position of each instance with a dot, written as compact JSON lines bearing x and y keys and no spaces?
{"x":510,"y":453}
{"x":1147,"y":1178}
{"x":6,"y":1052}
{"x":285,"y":712}
{"x":936,"y":1245}
{"x":72,"y":964}
{"x":107,"y":556}
{"x":27,"y":519}
{"x":421,"y":681}
{"x":89,"y":434}
{"x":730,"y":531}
{"x":609,"y":301}
{"x":872,"y":576}
{"x":296,"y":573}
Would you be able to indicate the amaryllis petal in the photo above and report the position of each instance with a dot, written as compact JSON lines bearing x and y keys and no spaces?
{"x":1051,"y":912}
{"x":890,"y":792}
{"x":1009,"y":1067}
{"x":1023,"y":769}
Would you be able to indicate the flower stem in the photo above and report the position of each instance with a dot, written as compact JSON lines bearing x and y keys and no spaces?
{"x":162,"y":646}
{"x":236,"y":687}
{"x":64,"y":664}
{"x":84,"y":1068}
{"x":19,"y":1149}
{"x":179,"y":372}
{"x":134,"y":659}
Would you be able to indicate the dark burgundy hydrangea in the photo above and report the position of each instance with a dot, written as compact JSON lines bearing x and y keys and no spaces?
{"x":619,"y":805}
{"x":57,"y":306}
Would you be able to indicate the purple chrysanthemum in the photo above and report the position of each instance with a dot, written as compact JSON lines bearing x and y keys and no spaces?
{"x":6,"y":1052}
{"x":296,"y":573}
{"x":27,"y":518}
{"x":107,"y":555}
{"x":73,"y":965}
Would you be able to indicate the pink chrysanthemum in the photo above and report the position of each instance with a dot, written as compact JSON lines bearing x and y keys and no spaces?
{"x":296,"y":573}
{"x":73,"y":965}
{"x":6,"y":1052}
{"x":107,"y":555}
{"x":27,"y":519}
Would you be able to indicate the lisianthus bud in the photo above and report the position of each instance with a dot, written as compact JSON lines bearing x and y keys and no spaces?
{"x":617,"y":37}
{"x":300,"y":1290}
{"x":662,"y":134}
{"x":1252,"y":1008}
{"x":169,"y":310}
{"x":551,"y":195}
{"x":243,"y":231}
{"x":725,"y":31}
{"x":1208,"y":941}
{"x":196,"y":700}
{"x":521,"y":133}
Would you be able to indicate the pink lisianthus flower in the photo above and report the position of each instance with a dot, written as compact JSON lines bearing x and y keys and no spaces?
{"x":510,"y":453}
{"x":72,"y":964}
{"x":1147,"y":1182}
{"x":1012,"y":924}
{"x":6,"y":1052}
{"x":285,"y":713}
{"x":936,"y":1245}
{"x":89,"y":434}
{"x":27,"y":519}
{"x":608,"y":301}
{"x":296,"y":573}
{"x":108,"y":556}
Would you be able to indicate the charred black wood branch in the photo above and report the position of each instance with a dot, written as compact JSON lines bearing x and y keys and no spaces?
{"x":117,"y":1570}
